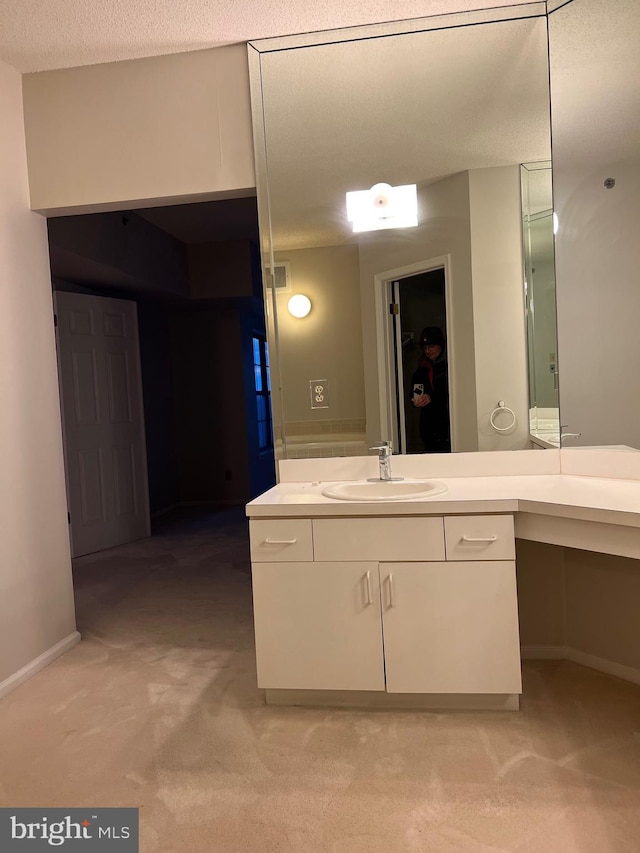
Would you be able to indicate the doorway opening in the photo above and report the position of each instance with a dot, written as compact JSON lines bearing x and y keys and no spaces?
{"x":164,"y":407}
{"x":416,"y":378}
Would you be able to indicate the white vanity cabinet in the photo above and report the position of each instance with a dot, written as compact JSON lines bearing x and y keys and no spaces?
{"x":403,"y":605}
{"x":450,"y":627}
{"x":318,"y":626}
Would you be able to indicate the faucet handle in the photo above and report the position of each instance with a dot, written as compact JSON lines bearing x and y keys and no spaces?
{"x":384,"y":445}
{"x":568,"y":434}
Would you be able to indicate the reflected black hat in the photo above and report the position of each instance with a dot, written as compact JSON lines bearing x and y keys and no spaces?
{"x":432,"y":335}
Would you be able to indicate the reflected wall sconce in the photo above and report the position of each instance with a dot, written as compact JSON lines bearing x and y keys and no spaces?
{"x":299,"y":305}
{"x":383,"y":206}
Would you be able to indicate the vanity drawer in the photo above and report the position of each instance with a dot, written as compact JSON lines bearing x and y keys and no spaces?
{"x":281,"y":540}
{"x":378,"y":538}
{"x":479,"y":537}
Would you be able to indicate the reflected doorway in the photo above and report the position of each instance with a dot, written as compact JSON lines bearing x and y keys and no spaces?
{"x":419,"y":302}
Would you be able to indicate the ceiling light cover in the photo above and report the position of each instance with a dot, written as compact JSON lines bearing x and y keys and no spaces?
{"x":383,"y":206}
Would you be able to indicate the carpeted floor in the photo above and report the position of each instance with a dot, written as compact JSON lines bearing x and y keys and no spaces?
{"x":157,"y":708}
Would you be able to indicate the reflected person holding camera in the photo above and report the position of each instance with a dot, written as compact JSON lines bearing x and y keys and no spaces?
{"x":430,"y":391}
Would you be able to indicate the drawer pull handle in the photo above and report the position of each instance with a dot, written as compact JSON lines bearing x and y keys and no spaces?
{"x":367,"y":583}
{"x":280,"y":541}
{"x":392,"y":594}
{"x":479,"y":538}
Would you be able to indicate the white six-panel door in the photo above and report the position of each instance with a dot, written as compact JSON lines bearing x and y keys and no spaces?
{"x":103,"y":421}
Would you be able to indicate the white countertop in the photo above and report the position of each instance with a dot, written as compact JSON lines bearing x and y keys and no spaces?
{"x":588,"y":498}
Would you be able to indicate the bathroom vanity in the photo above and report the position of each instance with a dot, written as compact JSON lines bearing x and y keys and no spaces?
{"x":401,"y":604}
{"x":413,"y":602}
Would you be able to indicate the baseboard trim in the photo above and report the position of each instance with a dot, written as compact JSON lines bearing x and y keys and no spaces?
{"x":609,"y":667}
{"x":543,"y":653}
{"x":392,"y":701}
{"x":38,"y":663}
{"x":619,"y":670}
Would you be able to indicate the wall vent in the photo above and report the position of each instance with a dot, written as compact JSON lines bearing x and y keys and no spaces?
{"x":282,"y":275}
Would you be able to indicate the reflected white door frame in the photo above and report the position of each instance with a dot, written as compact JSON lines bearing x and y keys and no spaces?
{"x":387,"y":361}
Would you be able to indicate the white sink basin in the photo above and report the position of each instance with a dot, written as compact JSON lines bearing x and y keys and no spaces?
{"x":383,"y":490}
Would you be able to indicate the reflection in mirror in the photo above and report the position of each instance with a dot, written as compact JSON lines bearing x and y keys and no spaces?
{"x":453,"y":106}
{"x":595,"y":92}
{"x":540,"y":303}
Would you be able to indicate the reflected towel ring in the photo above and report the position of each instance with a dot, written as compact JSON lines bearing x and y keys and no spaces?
{"x":501,"y":407}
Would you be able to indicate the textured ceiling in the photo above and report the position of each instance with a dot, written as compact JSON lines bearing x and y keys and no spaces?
{"x":38,"y":36}
{"x":411,"y":108}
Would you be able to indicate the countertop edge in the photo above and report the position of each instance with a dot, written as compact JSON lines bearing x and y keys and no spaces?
{"x":309,"y":505}
{"x":337,"y":508}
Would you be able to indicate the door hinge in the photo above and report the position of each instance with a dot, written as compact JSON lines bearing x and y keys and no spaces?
{"x":68,"y":518}
{"x":55,"y":320}
{"x":394,"y":308}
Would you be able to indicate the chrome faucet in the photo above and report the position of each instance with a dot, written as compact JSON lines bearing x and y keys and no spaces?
{"x":385,"y":449}
{"x":564,"y":435}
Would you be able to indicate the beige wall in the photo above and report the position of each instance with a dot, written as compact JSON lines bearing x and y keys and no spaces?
{"x":498,"y":305}
{"x":579,"y":601}
{"x":541,"y":602}
{"x":36,"y":597}
{"x":444,"y":229}
{"x":602,"y":594}
{"x":174,"y":127}
{"x":327,"y":344}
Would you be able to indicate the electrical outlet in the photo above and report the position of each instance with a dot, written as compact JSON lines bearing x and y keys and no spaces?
{"x":319,"y":391}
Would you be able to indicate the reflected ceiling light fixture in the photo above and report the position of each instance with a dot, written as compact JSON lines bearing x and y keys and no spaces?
{"x":555,"y":223}
{"x":299,"y":305}
{"x":383,"y":206}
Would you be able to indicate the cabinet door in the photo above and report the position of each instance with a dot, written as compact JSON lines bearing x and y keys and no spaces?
{"x":318,"y":626}
{"x":451,"y":627}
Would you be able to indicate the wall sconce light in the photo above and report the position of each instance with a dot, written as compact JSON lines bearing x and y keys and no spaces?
{"x":383,"y":206}
{"x":299,"y":305}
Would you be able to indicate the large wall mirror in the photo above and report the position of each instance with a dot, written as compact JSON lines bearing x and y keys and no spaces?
{"x":455,"y":106}
{"x":595,"y":96}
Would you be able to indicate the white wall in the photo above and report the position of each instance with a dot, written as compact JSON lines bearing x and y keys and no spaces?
{"x":599,"y":304}
{"x":595,"y":68}
{"x":170,"y":127}
{"x":36,"y":596}
{"x":498,"y":305}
